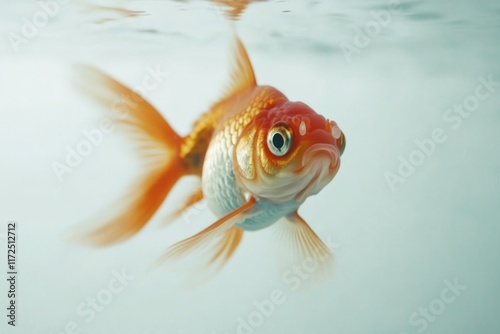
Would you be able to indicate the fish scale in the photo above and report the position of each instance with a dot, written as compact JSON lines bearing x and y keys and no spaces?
{"x":219,"y":185}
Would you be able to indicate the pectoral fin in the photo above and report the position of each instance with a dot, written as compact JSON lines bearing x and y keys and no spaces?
{"x":217,"y":242}
{"x":303,"y":245}
{"x":225,"y":249}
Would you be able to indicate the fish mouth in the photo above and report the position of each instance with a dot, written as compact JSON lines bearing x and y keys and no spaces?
{"x":321,"y":151}
{"x":317,"y":167}
{"x":320,"y":162}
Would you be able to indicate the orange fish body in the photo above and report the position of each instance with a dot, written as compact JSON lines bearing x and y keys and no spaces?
{"x":259,"y":157}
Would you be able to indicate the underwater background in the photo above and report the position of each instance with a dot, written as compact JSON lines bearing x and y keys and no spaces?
{"x":412,"y":217}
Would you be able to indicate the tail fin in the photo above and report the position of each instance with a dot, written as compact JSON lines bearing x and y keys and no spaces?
{"x":158,"y":143}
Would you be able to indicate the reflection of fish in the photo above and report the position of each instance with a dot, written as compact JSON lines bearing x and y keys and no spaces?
{"x":234,"y":8}
{"x":258,"y":154}
{"x":113,"y":13}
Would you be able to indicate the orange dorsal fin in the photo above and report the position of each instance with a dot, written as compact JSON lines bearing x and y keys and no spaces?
{"x":242,"y":75}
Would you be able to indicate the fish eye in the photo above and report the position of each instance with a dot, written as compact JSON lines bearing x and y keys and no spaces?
{"x":279,"y":139}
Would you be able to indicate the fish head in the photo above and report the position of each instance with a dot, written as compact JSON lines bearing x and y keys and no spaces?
{"x":288,"y":152}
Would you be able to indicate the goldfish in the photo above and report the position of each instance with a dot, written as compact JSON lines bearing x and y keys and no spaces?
{"x":257,"y":154}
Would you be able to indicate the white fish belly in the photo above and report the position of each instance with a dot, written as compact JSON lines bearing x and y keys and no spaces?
{"x":219,"y":185}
